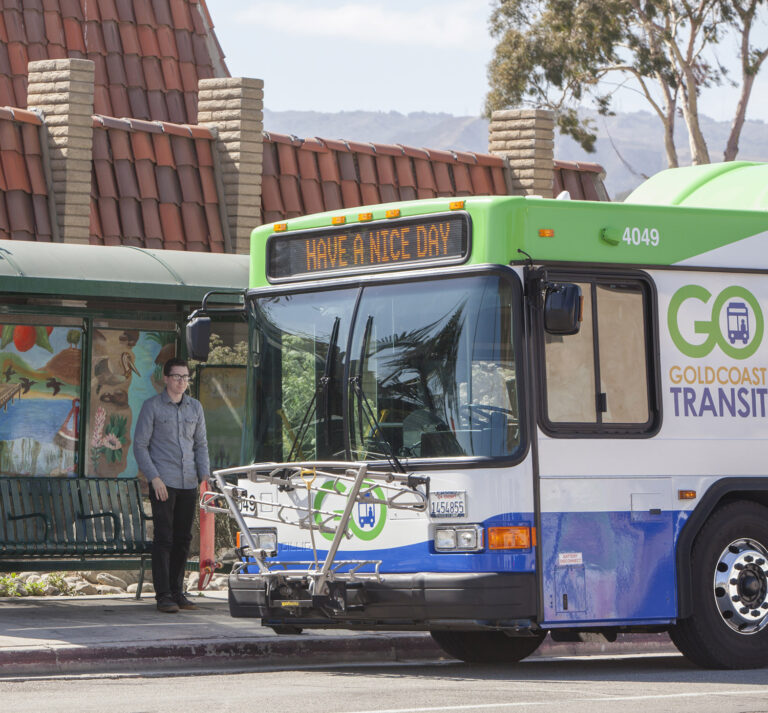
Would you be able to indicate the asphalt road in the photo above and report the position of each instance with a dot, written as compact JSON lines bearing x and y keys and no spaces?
{"x":652,"y":683}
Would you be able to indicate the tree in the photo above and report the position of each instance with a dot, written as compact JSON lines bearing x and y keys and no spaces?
{"x":560,"y":53}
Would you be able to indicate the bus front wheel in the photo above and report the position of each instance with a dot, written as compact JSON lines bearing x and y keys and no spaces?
{"x":486,"y":646}
{"x":728,"y":628}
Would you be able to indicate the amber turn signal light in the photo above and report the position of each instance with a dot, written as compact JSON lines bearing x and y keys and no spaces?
{"x":509,"y":538}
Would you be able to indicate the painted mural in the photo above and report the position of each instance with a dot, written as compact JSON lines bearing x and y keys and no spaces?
{"x":126,"y":369}
{"x":39,"y":399}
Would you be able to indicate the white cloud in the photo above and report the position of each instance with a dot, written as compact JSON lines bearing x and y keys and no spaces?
{"x":462,"y":24}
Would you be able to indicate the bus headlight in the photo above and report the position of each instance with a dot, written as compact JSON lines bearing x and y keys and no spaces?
{"x":458,"y":538}
{"x":265,"y":539}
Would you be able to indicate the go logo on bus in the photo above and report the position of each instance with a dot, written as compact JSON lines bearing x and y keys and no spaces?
{"x":368,"y":518}
{"x":735,"y":322}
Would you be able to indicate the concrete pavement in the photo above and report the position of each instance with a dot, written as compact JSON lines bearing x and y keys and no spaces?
{"x":44,"y":636}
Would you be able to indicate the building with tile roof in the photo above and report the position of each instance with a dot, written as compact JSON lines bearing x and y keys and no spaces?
{"x":120,"y":125}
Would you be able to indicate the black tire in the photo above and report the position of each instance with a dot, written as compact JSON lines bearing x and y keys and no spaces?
{"x":486,"y":646}
{"x":728,"y":628}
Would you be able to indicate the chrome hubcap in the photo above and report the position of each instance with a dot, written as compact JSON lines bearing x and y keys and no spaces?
{"x":741,"y":586}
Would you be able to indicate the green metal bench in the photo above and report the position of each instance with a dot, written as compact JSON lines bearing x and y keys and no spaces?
{"x":52,"y":524}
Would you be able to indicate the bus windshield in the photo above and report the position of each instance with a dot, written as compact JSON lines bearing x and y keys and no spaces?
{"x":386,"y":372}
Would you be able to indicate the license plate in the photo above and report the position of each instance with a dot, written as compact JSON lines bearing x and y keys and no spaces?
{"x":448,"y":503}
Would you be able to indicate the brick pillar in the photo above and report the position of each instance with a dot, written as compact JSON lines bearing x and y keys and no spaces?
{"x":62,"y":89}
{"x":526,"y":138}
{"x":234,"y":107}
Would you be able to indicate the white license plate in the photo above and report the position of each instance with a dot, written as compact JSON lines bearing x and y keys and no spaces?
{"x":448,"y":503}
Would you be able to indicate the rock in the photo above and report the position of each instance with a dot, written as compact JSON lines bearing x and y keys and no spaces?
{"x":106,"y":589}
{"x":85,"y":588}
{"x":50,"y":590}
{"x":72,"y":581}
{"x":21,"y":590}
{"x":32,"y":577}
{"x":111,"y":580}
{"x":90,"y":577}
{"x":146,"y":588}
{"x":218,"y":582}
{"x":192,"y":579}
{"x":131,"y":576}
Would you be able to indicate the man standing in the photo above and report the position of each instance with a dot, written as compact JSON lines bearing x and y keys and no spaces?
{"x":171,"y":448}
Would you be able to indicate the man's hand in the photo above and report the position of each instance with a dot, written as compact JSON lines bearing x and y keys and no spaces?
{"x":160,"y":490}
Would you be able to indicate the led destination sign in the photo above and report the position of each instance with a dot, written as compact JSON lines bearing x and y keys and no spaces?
{"x":363,"y":246}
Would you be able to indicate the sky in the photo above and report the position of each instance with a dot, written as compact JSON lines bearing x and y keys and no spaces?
{"x":391,"y":55}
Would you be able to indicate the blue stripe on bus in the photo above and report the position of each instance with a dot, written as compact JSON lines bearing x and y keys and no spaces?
{"x":598,"y":566}
{"x":422,"y":556}
{"x":609,"y":566}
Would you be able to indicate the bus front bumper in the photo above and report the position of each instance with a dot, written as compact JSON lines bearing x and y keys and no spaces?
{"x":411,"y":602}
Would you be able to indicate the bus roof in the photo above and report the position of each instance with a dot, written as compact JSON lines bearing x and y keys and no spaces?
{"x":510,"y":229}
{"x":117,"y":271}
{"x":735,"y":185}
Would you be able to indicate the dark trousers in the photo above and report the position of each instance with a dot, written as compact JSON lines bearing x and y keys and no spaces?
{"x":173,"y":534}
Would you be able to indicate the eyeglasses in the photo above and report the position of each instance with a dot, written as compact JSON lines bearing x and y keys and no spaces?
{"x":179,"y":377}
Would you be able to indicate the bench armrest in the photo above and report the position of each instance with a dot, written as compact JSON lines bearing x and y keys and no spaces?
{"x":115,"y":524}
{"x":38,"y":515}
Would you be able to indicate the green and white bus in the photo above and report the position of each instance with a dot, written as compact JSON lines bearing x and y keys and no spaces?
{"x":494,"y":418}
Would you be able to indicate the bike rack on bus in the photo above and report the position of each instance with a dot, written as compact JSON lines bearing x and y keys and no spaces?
{"x":353,"y":481}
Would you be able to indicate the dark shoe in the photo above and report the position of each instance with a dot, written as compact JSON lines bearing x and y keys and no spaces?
{"x":168,"y":606}
{"x":184,"y":603}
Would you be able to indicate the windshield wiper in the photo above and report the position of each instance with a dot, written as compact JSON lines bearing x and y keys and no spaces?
{"x":321,"y":390}
{"x":365,"y":405}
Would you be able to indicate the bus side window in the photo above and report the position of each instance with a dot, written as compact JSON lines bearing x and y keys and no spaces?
{"x":570,"y":371}
{"x":599,"y":378}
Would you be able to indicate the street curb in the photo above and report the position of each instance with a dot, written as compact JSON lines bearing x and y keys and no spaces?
{"x":218,"y":653}
{"x":278,"y":651}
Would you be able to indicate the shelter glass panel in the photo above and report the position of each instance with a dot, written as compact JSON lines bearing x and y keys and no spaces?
{"x":126,"y":370}
{"x":40,"y":364}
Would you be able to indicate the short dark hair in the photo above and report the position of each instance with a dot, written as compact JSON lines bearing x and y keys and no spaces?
{"x":173,"y":361}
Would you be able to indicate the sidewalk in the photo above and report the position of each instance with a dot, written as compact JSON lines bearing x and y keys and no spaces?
{"x":116,"y":634}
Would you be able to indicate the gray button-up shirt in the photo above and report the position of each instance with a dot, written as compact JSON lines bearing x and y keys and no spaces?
{"x":170,"y":441}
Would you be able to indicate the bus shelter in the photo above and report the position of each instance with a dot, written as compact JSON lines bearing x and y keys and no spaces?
{"x":84,"y":333}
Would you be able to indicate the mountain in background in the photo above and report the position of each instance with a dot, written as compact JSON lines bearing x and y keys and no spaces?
{"x":629,"y":146}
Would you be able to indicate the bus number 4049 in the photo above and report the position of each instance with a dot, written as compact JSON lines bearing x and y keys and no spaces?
{"x":641,"y":236}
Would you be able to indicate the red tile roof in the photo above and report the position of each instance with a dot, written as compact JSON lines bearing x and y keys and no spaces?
{"x":24,"y":211}
{"x":153,"y":181}
{"x":148,"y":54}
{"x":310,"y":176}
{"x":154,"y":186}
{"x":583,"y":181}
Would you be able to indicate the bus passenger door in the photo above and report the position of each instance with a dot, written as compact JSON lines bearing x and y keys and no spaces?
{"x":606,"y":517}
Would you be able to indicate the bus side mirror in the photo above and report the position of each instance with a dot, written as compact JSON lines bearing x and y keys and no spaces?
{"x":562,"y":308}
{"x":198,"y":338}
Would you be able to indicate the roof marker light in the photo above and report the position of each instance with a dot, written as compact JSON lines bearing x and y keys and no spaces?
{"x":338,"y":220}
{"x":546,"y":233}
{"x":456,"y":205}
{"x":364,"y":217}
{"x":393,"y":213}
{"x":280,"y":227}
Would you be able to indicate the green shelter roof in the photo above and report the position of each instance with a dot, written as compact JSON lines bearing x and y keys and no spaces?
{"x":117,"y":271}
